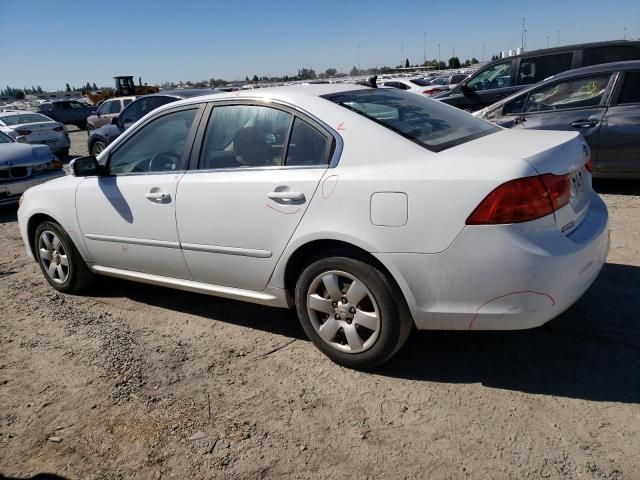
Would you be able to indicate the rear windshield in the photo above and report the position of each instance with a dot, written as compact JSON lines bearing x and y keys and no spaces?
{"x":421,"y":82}
{"x":429,"y":123}
{"x":20,"y":118}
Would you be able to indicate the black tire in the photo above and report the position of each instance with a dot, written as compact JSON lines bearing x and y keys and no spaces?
{"x":395,"y":322}
{"x":97,"y":147}
{"x":64,"y":153}
{"x":79,"y":277}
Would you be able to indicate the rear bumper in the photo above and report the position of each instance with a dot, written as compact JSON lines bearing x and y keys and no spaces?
{"x":10,"y":191}
{"x":504,"y":277}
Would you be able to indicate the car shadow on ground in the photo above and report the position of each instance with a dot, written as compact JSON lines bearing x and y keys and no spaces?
{"x":616,"y":187}
{"x":8,"y":214}
{"x":591,"y":352}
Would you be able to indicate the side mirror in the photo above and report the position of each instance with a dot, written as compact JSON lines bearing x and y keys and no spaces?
{"x":114,"y":121}
{"x":85,"y":167}
{"x":466,"y":89}
{"x":95,"y":112}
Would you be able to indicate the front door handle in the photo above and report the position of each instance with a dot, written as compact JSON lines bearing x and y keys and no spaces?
{"x":157,"y":196}
{"x":286,"y":196}
{"x":584,"y":123}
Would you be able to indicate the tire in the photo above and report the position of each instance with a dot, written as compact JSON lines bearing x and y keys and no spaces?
{"x":376,"y":313}
{"x":97,"y":147}
{"x":64,"y":153}
{"x":73,"y":277}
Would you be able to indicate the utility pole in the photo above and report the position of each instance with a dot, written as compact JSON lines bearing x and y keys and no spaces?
{"x":525,"y":40}
{"x":358,"y":56}
{"x":439,"y":57}
{"x":547,"y":41}
{"x":484,"y":52}
{"x":558,"y":44}
{"x":522,"y":36}
{"x":624,"y":36}
{"x":402,"y":54}
{"x":424,"y":47}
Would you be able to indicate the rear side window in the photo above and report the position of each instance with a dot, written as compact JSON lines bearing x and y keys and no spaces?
{"x":421,"y":82}
{"x":244,"y":136}
{"x":458,"y":78}
{"x":574,"y":93}
{"x":307,"y":146}
{"x":597,"y":55}
{"x":398,"y":85}
{"x":630,"y":88}
{"x":429,"y":123}
{"x":536,"y":69}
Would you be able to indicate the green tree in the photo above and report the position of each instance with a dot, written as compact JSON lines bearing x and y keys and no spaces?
{"x":454,"y":62}
{"x":354,"y":72}
{"x":406,"y":63}
{"x":474,"y":60}
{"x":68,"y":89}
{"x":331,"y":72}
{"x":255,"y":79}
{"x":307,"y":74}
{"x":19,"y":94}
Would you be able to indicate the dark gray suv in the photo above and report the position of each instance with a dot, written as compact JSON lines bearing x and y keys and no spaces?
{"x":503,"y":77}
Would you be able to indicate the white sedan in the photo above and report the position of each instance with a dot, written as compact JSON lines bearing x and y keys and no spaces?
{"x":35,"y":128}
{"x":413,"y":85}
{"x":369,"y":210}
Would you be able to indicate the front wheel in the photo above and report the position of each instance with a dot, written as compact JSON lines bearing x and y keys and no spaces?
{"x":59,"y":260}
{"x":351,"y":312}
{"x":97,"y":147}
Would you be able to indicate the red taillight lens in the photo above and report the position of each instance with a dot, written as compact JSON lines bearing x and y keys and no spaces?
{"x":58,"y":129}
{"x":24,"y":132}
{"x":429,"y":91}
{"x":589,"y":165}
{"x":522,"y":200}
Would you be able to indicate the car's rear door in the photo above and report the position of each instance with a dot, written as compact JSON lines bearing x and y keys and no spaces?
{"x":128,"y":217}
{"x":619,"y":147}
{"x":577,"y":103}
{"x":255,"y":170}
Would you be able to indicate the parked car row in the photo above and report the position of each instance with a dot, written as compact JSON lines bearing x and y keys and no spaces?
{"x":107,"y":110}
{"x":67,"y":112}
{"x":29,"y":127}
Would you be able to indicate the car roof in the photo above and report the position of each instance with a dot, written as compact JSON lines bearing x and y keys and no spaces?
{"x":181,"y":93}
{"x":564,"y":48}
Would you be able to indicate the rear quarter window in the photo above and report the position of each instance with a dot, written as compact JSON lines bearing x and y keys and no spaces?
{"x":621,"y":53}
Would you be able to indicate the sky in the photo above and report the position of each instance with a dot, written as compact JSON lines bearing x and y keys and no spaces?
{"x":50,"y":43}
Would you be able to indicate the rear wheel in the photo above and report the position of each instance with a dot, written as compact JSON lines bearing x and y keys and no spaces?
{"x":351,"y":312}
{"x":97,"y":147}
{"x":59,"y":260}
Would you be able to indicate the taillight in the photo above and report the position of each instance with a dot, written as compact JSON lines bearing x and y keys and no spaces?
{"x":24,"y":132}
{"x":523,"y":200}
{"x":589,"y":165}
{"x":58,"y":129}
{"x":429,"y":91}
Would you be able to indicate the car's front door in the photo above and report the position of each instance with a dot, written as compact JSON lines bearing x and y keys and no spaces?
{"x":258,"y":168}
{"x":127,"y":217}
{"x":619,"y":149}
{"x":577,"y":104}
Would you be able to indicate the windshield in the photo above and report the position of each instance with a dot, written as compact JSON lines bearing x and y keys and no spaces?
{"x":421,"y":82}
{"x":20,"y":118}
{"x":429,"y":123}
{"x":5,"y":138}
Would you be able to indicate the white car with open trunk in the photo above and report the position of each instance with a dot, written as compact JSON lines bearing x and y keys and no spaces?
{"x":369,"y":210}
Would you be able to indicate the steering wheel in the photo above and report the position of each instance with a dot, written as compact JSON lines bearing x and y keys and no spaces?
{"x":164,"y":161}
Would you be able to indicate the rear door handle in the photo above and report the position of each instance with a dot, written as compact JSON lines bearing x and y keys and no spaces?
{"x":157,"y":196}
{"x":286,"y":195}
{"x":584,"y":123}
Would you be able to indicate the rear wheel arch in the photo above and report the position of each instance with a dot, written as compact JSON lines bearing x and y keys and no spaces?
{"x":306,"y":254}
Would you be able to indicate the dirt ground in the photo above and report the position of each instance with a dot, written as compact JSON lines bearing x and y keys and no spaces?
{"x":135,"y":381}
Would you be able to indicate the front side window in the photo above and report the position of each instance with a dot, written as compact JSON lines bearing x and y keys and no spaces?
{"x":536,"y":69}
{"x":104,"y":108}
{"x":76,"y":105}
{"x":114,"y":107}
{"x":244,"y":136}
{"x":157,"y":147}
{"x":495,"y":76}
{"x":575,"y":93}
{"x":429,"y":123}
{"x":5,"y":138}
{"x":598,"y":55}
{"x":630,"y":88}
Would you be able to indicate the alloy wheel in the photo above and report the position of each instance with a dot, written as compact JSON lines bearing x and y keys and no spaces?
{"x":53,"y":257}
{"x":343,"y":311}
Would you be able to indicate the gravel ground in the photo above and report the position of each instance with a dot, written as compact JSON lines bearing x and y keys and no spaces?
{"x":135,"y":381}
